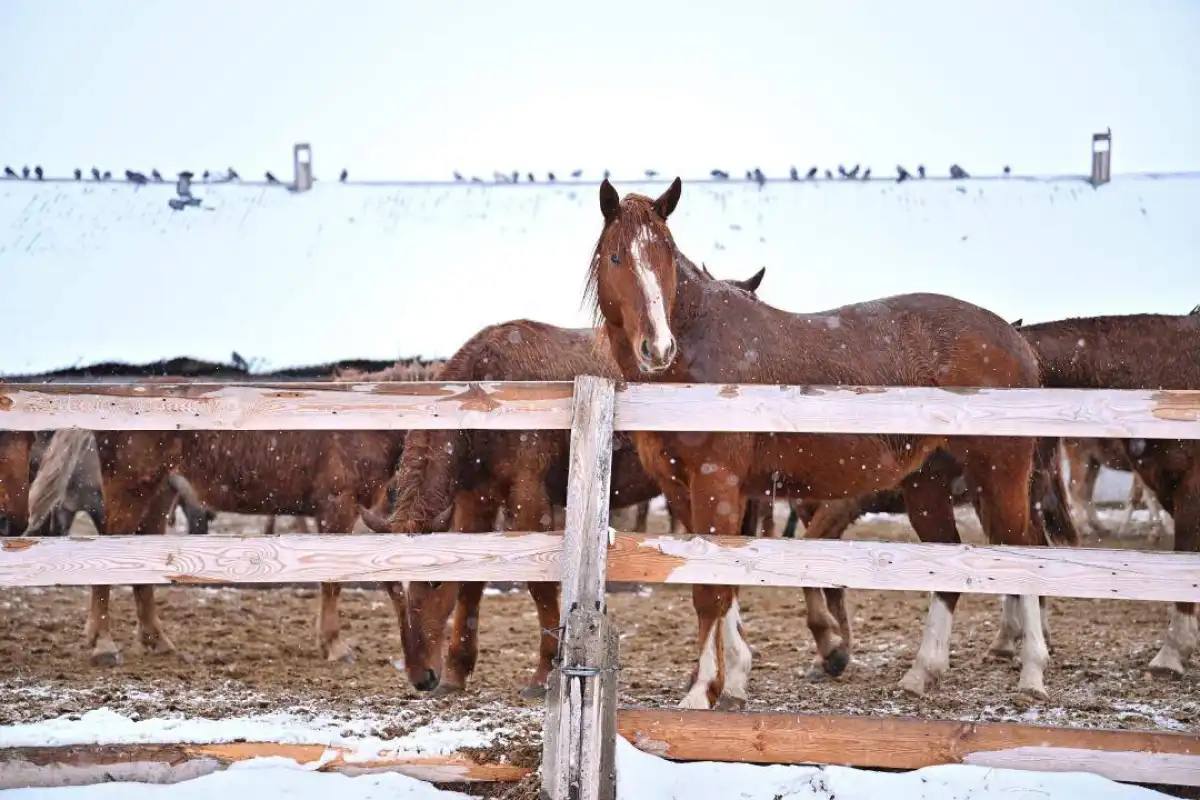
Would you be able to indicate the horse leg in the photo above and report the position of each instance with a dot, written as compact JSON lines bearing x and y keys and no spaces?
{"x":531,"y":510}
{"x":1183,"y":634}
{"x":105,"y":652}
{"x":335,"y":515}
{"x":767,"y":512}
{"x":643,"y":515}
{"x":723,"y":670}
{"x":830,"y":631}
{"x":150,"y":630}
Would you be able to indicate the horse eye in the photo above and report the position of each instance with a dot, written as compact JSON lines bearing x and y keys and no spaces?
{"x":613,"y":258}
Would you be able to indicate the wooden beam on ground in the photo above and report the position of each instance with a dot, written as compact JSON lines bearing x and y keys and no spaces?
{"x":1106,"y":413}
{"x":633,"y":558}
{"x":906,"y":743}
{"x":573,"y":751}
{"x":514,"y":405}
{"x":79,"y":765}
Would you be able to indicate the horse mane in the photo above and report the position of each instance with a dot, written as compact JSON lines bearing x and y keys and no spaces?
{"x":49,"y":488}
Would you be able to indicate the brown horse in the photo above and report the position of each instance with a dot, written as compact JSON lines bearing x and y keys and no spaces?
{"x":1085,"y":457}
{"x":326,"y":474}
{"x":1141,"y":351}
{"x":460,"y":479}
{"x":14,"y":481}
{"x":665,"y":323}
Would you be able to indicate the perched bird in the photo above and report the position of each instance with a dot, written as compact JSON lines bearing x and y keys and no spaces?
{"x":78,"y":174}
{"x":37,"y":171}
{"x":1007,"y":170}
{"x":205,"y":175}
{"x":343,"y":176}
{"x":95,"y":174}
{"x":921,"y":170}
{"x":651,"y":174}
{"x":158,"y":178}
{"x":794,"y":174}
{"x":107,"y":175}
{"x":576,"y":174}
{"x":135,"y":177}
{"x":759,"y":177}
{"x":529,"y":176}
{"x":457,"y":175}
{"x":476,"y":179}
{"x":233,"y":176}
{"x":854,"y":172}
{"x":812,"y":173}
{"x":957,"y":172}
{"x":550,"y":176}
{"x":842,"y":171}
{"x":25,"y":171}
{"x":828,"y":175}
{"x":271,"y":178}
{"x":902,"y":174}
{"x":749,"y":175}
{"x":867,"y":174}
{"x":8,"y":172}
{"x":720,"y":174}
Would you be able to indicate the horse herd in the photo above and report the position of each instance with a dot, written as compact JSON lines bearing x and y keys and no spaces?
{"x":660,"y":317}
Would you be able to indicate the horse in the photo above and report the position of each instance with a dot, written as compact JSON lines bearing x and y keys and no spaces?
{"x":14,"y":481}
{"x":321,"y":473}
{"x":663,"y":322}
{"x":1085,"y":457}
{"x":1149,"y":352}
{"x":460,"y":479}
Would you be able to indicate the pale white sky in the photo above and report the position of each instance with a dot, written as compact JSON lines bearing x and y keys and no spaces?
{"x":413,"y":90}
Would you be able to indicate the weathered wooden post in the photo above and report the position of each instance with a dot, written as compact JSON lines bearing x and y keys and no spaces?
{"x":579,"y":733}
{"x":302,"y":168}
{"x":1101,"y":157}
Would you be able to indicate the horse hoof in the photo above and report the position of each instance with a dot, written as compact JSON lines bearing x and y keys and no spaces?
{"x":340,"y":654}
{"x":816,"y":672}
{"x":836,"y":662}
{"x":727,"y":703}
{"x":534,"y":692}
{"x":916,"y":683}
{"x":446,"y":690}
{"x":106,"y":658}
{"x":1033,"y":692}
{"x":1166,"y":665}
{"x":1001,"y":652}
{"x":695,"y":701}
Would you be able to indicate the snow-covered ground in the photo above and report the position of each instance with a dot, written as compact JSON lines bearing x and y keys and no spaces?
{"x":641,"y":776}
{"x":348,"y":271}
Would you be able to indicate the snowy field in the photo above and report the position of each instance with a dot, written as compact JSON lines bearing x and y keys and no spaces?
{"x":365,"y":271}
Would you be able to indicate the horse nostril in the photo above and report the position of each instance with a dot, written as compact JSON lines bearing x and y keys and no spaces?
{"x":646,"y":348}
{"x":428,"y":681}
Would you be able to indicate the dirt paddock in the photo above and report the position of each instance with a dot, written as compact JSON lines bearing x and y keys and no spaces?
{"x":255,"y":650}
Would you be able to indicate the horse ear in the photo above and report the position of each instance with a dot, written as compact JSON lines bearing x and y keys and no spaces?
{"x":1017,"y":323}
{"x":751,"y":284}
{"x":704,"y":269}
{"x":610,"y":201}
{"x":667,"y":201}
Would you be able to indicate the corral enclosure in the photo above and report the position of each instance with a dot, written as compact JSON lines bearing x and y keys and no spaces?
{"x":348,"y":271}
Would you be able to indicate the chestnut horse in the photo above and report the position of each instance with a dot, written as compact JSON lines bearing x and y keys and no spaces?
{"x":460,"y":479}
{"x":14,"y":481}
{"x":1141,"y":351}
{"x":664,"y":322}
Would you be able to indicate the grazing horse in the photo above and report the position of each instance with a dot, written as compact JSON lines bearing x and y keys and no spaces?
{"x":460,"y":479}
{"x":14,"y":481}
{"x":663,"y":322}
{"x":1149,"y":352}
{"x":326,"y":474}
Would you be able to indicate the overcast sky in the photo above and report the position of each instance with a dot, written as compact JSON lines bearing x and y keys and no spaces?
{"x":413,"y":90}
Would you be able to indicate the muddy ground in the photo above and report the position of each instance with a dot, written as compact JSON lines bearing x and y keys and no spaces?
{"x":255,"y":650}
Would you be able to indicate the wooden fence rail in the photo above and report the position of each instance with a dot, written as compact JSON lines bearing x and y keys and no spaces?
{"x":581,"y":720}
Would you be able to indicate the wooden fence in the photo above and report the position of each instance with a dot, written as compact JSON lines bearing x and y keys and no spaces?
{"x":582,"y":719}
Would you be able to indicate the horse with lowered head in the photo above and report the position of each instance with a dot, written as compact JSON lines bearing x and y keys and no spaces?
{"x":460,"y":479}
{"x":663,"y":322}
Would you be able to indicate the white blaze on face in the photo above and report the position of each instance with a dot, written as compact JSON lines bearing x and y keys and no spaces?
{"x":658,"y":330}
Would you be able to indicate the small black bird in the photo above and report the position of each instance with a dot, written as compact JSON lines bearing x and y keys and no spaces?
{"x":720,"y":174}
{"x":107,"y":175}
{"x":457,"y":175}
{"x":476,"y":179}
{"x":921,"y":170}
{"x":233,"y":176}
{"x":651,"y":174}
{"x":532,"y":179}
{"x":158,"y":178}
{"x":854,"y":172}
{"x":135,"y":177}
{"x":842,"y":171}
{"x":576,"y":174}
{"x":794,"y":174}
{"x":759,"y":177}
{"x":95,"y":174}
{"x":828,"y":175}
{"x":749,"y":175}
{"x":550,"y":176}
{"x":8,"y":172}
{"x":271,"y":178}
{"x":605,"y":174}
{"x":867,"y":174}
{"x":812,"y":173}
{"x":343,"y":176}
{"x":205,"y":175}
{"x":957,"y":172}
{"x":901,"y":174}
{"x":187,"y":173}
{"x":1007,"y":170}
{"x":78,"y":174}
{"x":37,"y":171}
{"x":25,"y":171}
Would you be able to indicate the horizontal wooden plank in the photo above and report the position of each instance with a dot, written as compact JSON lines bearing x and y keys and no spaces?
{"x":634,"y":558}
{"x":286,"y":406}
{"x":79,"y":765}
{"x":639,"y":406}
{"x":917,"y":410}
{"x":1055,"y":572}
{"x":905,"y":743}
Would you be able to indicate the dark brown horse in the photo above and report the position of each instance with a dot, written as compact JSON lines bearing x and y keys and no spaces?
{"x":1141,"y":351}
{"x":14,"y":481}
{"x":1085,"y":458}
{"x":665,"y":323}
{"x":460,"y":479}
{"x":325,"y":474}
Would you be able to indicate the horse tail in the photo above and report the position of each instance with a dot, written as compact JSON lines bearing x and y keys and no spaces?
{"x":1048,"y":495}
{"x":58,"y":463}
